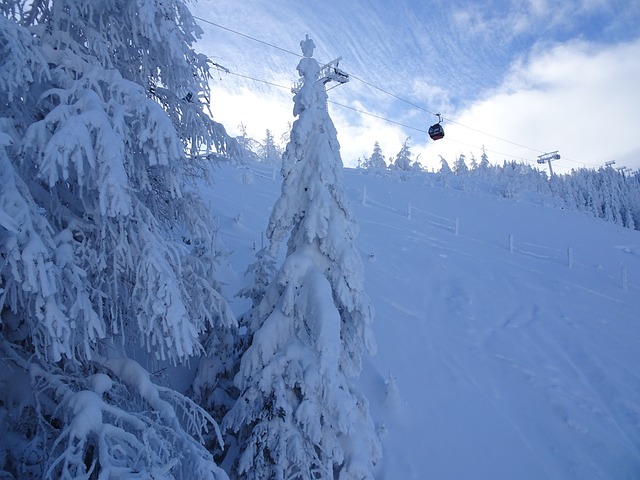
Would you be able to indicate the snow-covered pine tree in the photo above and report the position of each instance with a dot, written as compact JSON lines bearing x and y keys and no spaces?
{"x":299,"y":415}
{"x":248,"y":148}
{"x":473,"y":163}
{"x":484,"y":166}
{"x":444,"y":173}
{"x":107,"y":252}
{"x":460,"y":165}
{"x":269,"y":151}
{"x":376,"y":161}
{"x":403,"y":158}
{"x":445,"y":169}
{"x":213,"y":387}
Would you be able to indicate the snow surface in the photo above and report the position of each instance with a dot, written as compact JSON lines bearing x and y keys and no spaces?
{"x":508,"y":332}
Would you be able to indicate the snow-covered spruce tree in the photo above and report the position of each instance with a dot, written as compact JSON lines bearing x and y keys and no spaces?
{"x":248,"y":148}
{"x":213,"y":387}
{"x":298,"y":415}
{"x":484,"y":166}
{"x":403,"y":158}
{"x":268,"y":151}
{"x":445,"y":169}
{"x":460,"y":165}
{"x":106,"y":253}
{"x":376,"y":161}
{"x":473,"y":163}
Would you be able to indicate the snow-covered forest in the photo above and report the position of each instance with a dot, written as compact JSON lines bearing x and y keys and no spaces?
{"x":177,"y":303}
{"x":609,"y":193}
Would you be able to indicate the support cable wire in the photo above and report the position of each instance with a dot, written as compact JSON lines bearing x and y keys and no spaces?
{"x":380,"y":117}
{"x":247,"y":36}
{"x":449,"y":139}
{"x":386,"y":92}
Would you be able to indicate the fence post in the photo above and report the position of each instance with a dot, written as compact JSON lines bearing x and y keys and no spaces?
{"x":409,"y":211}
{"x":457,"y":230}
{"x":364,"y":195}
{"x":625,"y":280}
{"x":570,"y":257}
{"x":510,"y":243}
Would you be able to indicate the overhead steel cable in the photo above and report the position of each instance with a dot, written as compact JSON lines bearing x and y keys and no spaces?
{"x":449,"y":139}
{"x":247,"y":36}
{"x":392,"y":95}
{"x":377,"y":116}
{"x":386,"y":92}
{"x":380,"y":117}
{"x":257,"y":79}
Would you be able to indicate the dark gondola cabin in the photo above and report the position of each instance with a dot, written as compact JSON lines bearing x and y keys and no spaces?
{"x":436,"y":132}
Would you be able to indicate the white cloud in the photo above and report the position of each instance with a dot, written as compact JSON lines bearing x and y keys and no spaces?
{"x":254,"y":109}
{"x":357,"y":135}
{"x":579,"y":98}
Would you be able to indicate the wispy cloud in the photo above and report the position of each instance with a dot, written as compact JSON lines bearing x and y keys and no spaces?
{"x":542,"y":74}
{"x":578,"y":97}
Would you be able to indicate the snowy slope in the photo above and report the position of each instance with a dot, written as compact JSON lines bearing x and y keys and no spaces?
{"x":496,"y":358}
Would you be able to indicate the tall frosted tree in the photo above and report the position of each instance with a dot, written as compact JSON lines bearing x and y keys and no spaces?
{"x":403,"y":158}
{"x":376,"y":161}
{"x":445,"y":169}
{"x":460,"y":165}
{"x":484,"y":164}
{"x":106,"y":252}
{"x":298,"y":414}
{"x":269,"y":151}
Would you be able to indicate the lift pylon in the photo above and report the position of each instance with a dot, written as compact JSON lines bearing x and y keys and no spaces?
{"x":547,"y":158}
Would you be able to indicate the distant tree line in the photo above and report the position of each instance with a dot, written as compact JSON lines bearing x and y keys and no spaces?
{"x":606,"y":193}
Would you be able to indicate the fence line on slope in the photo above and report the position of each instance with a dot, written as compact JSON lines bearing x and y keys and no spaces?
{"x":543,"y":252}
{"x":533,"y":250}
{"x":268,"y":171}
{"x":366,"y":200}
{"x":445,"y":223}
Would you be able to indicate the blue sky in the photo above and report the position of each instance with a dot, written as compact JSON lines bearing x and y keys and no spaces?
{"x":541,"y":75}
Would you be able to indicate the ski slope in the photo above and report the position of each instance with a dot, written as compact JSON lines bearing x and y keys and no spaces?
{"x":508,"y":332}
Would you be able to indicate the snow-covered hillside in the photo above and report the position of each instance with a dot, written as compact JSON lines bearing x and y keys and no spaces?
{"x":508,"y":333}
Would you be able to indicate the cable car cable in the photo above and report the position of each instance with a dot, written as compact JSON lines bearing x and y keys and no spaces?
{"x":393,"y":95}
{"x":386,"y":92}
{"x":247,"y":36}
{"x":257,"y":80}
{"x":379,"y":117}
{"x":397,"y":97}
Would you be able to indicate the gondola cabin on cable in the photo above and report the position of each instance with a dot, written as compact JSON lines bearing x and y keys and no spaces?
{"x":436,"y":132}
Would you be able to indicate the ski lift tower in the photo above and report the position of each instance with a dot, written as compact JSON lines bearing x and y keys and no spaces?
{"x":331,"y":73}
{"x":547,"y":158}
{"x":328,"y":73}
{"x":622,"y":170}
